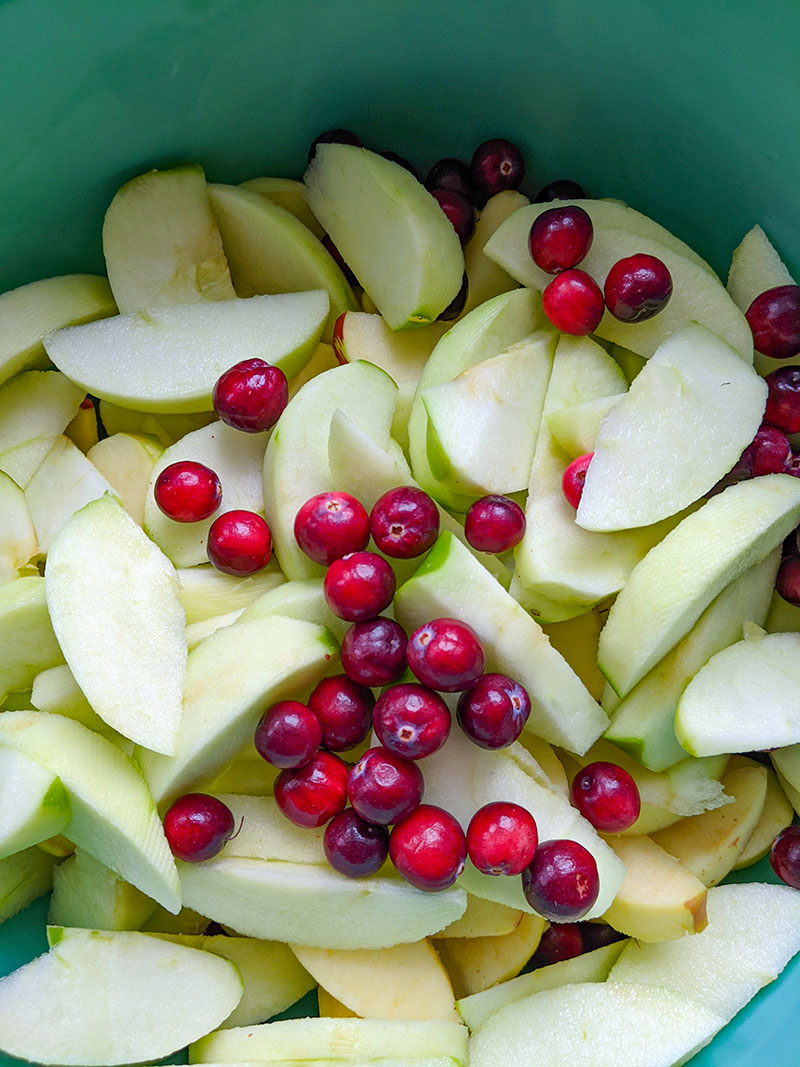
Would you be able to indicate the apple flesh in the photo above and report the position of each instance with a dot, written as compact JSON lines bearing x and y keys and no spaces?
{"x":27,"y":642}
{"x":88,"y":894}
{"x":126,"y":462}
{"x":478,"y":963}
{"x":483,"y":918}
{"x":166,"y":427}
{"x":18,"y":543}
{"x":776,"y":814}
{"x":55,"y":690}
{"x":288,"y":194}
{"x":485,"y":278}
{"x":206,"y":592}
{"x":36,"y":404}
{"x":24,"y":877}
{"x":786,"y":762}
{"x":33,"y":803}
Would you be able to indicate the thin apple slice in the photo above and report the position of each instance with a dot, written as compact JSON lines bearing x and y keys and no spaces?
{"x":776,"y":814}
{"x":575,"y":429}
{"x":126,"y":462}
{"x":90,"y":895}
{"x":206,"y":592}
{"x":18,"y":542}
{"x":20,"y":462}
{"x":485,"y":278}
{"x":299,"y":599}
{"x":24,"y":877}
{"x":167,"y":427}
{"x":36,"y":404}
{"x":33,"y":803}
{"x":84,"y":430}
{"x":786,"y":762}
{"x":483,"y":918}
{"x":27,"y":642}
{"x":478,"y":963}
{"x":576,"y":639}
{"x":331,"y":1008}
{"x":288,"y":194}
{"x":266,"y":834}
{"x":55,"y":690}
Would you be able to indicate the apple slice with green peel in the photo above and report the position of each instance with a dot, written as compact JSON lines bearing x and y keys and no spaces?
{"x":36,"y":404}
{"x":369,"y":204}
{"x":361,"y":335}
{"x":575,"y":429}
{"x":542,"y":608}
{"x":266,"y":834}
{"x":484,"y":277}
{"x":161,"y":243}
{"x":167,"y":427}
{"x":198,"y":631}
{"x":288,"y":194}
{"x":126,"y":462}
{"x":786,"y":762}
{"x":27,"y":642}
{"x":206,"y":592}
{"x":167,"y":359}
{"x":88,"y":894}
{"x":18,"y":543}
{"x":676,"y":581}
{"x":483,"y":918}
{"x":478,"y":963}
{"x":24,"y":877}
{"x":776,"y":814}
{"x":33,"y":803}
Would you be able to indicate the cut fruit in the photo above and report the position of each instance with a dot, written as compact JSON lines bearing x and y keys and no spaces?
{"x":776,"y":814}
{"x":575,"y":429}
{"x":483,"y":918}
{"x":484,"y":277}
{"x":206,"y":592}
{"x":301,"y":599}
{"x":331,"y":1008}
{"x":83,"y":431}
{"x":27,"y":642}
{"x":33,"y":803}
{"x":478,"y":963}
{"x":18,"y":543}
{"x":24,"y":877}
{"x":55,"y":690}
{"x":288,"y":194}
{"x":576,"y":639}
{"x":126,"y":462}
{"x":36,"y":404}
{"x":22,"y":461}
{"x":266,"y":834}
{"x":786,"y":762}
{"x":88,"y":894}
{"x":166,"y":428}
{"x":403,"y":355}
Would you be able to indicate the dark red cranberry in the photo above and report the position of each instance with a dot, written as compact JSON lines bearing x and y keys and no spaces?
{"x":607,"y":796}
{"x":331,"y":525}
{"x":459,"y":211}
{"x":573,"y":302}
{"x":251,"y":395}
{"x":574,"y":477}
{"x":783,"y":399}
{"x":239,"y":543}
{"x":187,"y":491}
{"x":359,"y":586}
{"x":790,"y":546}
{"x":404,"y":522}
{"x":560,"y":238}
{"x":496,"y":165}
{"x":334,"y":137}
{"x":560,"y":189}
{"x":339,"y":259}
{"x":784,"y":856}
{"x":494,"y":711}
{"x":560,"y":941}
{"x":353,"y":846}
{"x":428,"y":848}
{"x":197,"y":826}
{"x":770,"y":450}
{"x":445,"y":654}
{"x":637,"y":288}
{"x":774,"y":318}
{"x":599,"y":934}
{"x":314,"y":793}
{"x":788,"y":580}
{"x":288,"y":734}
{"x":502,"y":838}
{"x":561,"y":883}
{"x":452,"y":174}
{"x":411,"y":721}
{"x":401,"y":161}
{"x":494,"y":524}
{"x":383,"y":788}
{"x":374,"y":651}
{"x":344,"y":711}
{"x":456,"y":305}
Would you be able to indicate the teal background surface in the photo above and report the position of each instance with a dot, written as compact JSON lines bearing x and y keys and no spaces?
{"x":686,"y":110}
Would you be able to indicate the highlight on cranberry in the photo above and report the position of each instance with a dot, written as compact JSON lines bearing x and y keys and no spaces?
{"x":353,"y":846}
{"x":560,"y":238}
{"x":560,"y":189}
{"x":493,"y":712}
{"x":359,"y":586}
{"x":784,"y":856}
{"x":783,"y":399}
{"x":404,"y":522}
{"x":197,"y":826}
{"x":343,"y":709}
{"x":411,"y":721}
{"x":374,"y":651}
{"x":774,"y":318}
{"x":251,"y":396}
{"x":312,"y":794}
{"x":502,"y":838}
{"x":288,"y":734}
{"x":187,"y":491}
{"x":452,"y":174}
{"x":637,"y":288}
{"x":494,"y":524}
{"x":497,"y":164}
{"x":384,"y":788}
{"x":459,"y":210}
{"x":239,"y":543}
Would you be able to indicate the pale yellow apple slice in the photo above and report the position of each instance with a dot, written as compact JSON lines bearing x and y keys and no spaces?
{"x":24,"y":877}
{"x":786,"y":762}
{"x":331,"y":1008}
{"x":486,"y":279}
{"x":167,"y":427}
{"x":403,"y":355}
{"x":55,"y":690}
{"x":576,"y":639}
{"x":782,"y":616}
{"x":84,"y":430}
{"x":483,"y":918}
{"x":20,"y":462}
{"x":576,"y":428}
{"x":776,"y":814}
{"x":33,"y":803}
{"x":197,"y":631}
{"x":478,"y":963}
{"x":265,"y":833}
{"x":90,"y":895}
{"x":126,"y":462}
{"x":206,"y":592}
{"x":288,"y":194}
{"x":301,"y":598}
{"x":27,"y":642}
{"x":18,"y":543}
{"x":36,"y":404}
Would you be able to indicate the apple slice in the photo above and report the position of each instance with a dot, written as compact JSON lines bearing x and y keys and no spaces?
{"x":24,"y":877}
{"x":288,"y":194}
{"x":167,"y":427}
{"x":55,"y":690}
{"x":576,"y":639}
{"x":33,"y":803}
{"x":18,"y":543}
{"x":88,"y":894}
{"x":20,"y":462}
{"x":331,"y":1008}
{"x":83,"y":430}
{"x":485,"y":278}
{"x":776,"y":814}
{"x":36,"y":404}
{"x":27,"y":642}
{"x":299,"y":599}
{"x":786,"y":762}
{"x":361,"y":335}
{"x":168,"y":359}
{"x":206,"y":592}
{"x":575,"y":429}
{"x":483,"y":918}
{"x":478,"y":963}
{"x":126,"y":462}
{"x":266,"y":834}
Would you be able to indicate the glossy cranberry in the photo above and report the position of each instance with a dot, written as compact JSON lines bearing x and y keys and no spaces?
{"x":784,"y":856}
{"x":197,"y":826}
{"x":359,"y":586}
{"x":445,"y":654}
{"x":560,"y":941}
{"x":338,"y":136}
{"x":251,"y":395}
{"x":502,"y":838}
{"x":494,"y":711}
{"x":353,"y":846}
{"x":187,"y":491}
{"x":344,"y":711}
{"x":428,"y":848}
{"x":374,"y":651}
{"x":561,"y":883}
{"x":560,"y":238}
{"x":401,"y":161}
{"x":331,"y":525}
{"x":788,"y":579}
{"x":456,"y":305}
{"x":459,"y":210}
{"x":288,"y":734}
{"x":637,"y":288}
{"x":411,"y":721}
{"x":314,"y":793}
{"x":404,"y":522}
{"x":494,"y":524}
{"x":774,"y":318}
{"x":239,"y":543}
{"x":383,"y":788}
{"x":573,"y":302}
{"x":339,"y":260}
{"x":496,"y":165}
{"x":783,"y":399}
{"x":770,"y":450}
{"x":573,"y":478}
{"x":607,"y":796}
{"x":560,"y":189}
{"x":452,"y":174}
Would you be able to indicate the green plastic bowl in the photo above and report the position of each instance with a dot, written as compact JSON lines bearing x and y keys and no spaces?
{"x":688,"y":111}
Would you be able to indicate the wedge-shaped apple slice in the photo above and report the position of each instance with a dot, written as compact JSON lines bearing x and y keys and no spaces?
{"x":167,"y":427}
{"x":266,"y":834}
{"x":483,"y":918}
{"x":20,"y":462}
{"x":27,"y":642}
{"x":678,"y":578}
{"x":168,"y":359}
{"x":206,"y":592}
{"x":786,"y":762}
{"x":478,"y":963}
{"x":331,"y":1008}
{"x":776,"y":814}
{"x":299,"y":599}
{"x":18,"y":543}
{"x":246,"y":775}
{"x":368,"y":204}
{"x":36,"y":404}
{"x":33,"y":803}
{"x":575,"y":429}
{"x":288,"y":194}
{"x":87,"y":894}
{"x":84,"y":430}
{"x":782,"y":616}
{"x":126,"y":462}
{"x":486,"y":279}
{"x":361,"y":335}
{"x":576,"y":639}
{"x":24,"y":877}
{"x":55,"y":690}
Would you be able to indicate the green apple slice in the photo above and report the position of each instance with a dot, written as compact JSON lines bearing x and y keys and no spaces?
{"x":755,"y":267}
{"x":266,"y":834}
{"x":361,"y":335}
{"x":288,"y":194}
{"x":369,"y":204}
{"x":630,"y":363}
{"x":782,"y":616}
{"x":23,"y":460}
{"x":18,"y":543}
{"x":166,"y":428}
{"x":206,"y":592}
{"x":55,"y":690}
{"x":33,"y":803}
{"x":88,"y":894}
{"x":302,"y":598}
{"x":126,"y":462}
{"x":485,"y":278}
{"x":678,"y":578}
{"x":27,"y":642}
{"x":24,"y":877}
{"x":168,"y":358}
{"x":575,"y":429}
{"x":161,"y":243}
{"x":36,"y":404}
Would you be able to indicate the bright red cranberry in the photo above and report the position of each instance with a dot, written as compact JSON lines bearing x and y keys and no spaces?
{"x":239,"y":543}
{"x":774,"y":318}
{"x":353,"y":846}
{"x":428,"y":848}
{"x":401,"y":161}
{"x":783,"y":399}
{"x":494,"y":711}
{"x":459,"y":210}
{"x":197,"y":826}
{"x":404,"y":522}
{"x":502,"y":838}
{"x":374,"y":651}
{"x":637,"y":288}
{"x":187,"y":491}
{"x":574,"y":477}
{"x":561,"y":882}
{"x":560,"y":189}
{"x":784,"y":856}
{"x":497,"y":164}
{"x":788,"y":580}
{"x":770,"y":450}
{"x":560,"y":238}
{"x":344,"y":711}
{"x":251,"y":395}
{"x":411,"y":721}
{"x":452,"y":174}
{"x":560,"y":941}
{"x":456,"y":305}
{"x":359,"y":586}
{"x":288,"y":734}
{"x":339,"y":259}
{"x":494,"y":524}
{"x":331,"y":525}
{"x":314,"y":793}
{"x":607,"y":796}
{"x":573,"y":302}
{"x":383,"y":788}
{"x":334,"y":137}
{"x":446,"y":654}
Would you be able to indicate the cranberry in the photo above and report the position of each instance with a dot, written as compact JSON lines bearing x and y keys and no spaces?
{"x":310,"y":795}
{"x":239,"y":543}
{"x":573,"y":302}
{"x":404,"y":522}
{"x":560,"y":238}
{"x":496,"y":165}
{"x":560,"y":189}
{"x":494,"y":524}
{"x":353,"y":846}
{"x":374,"y":652}
{"x":783,"y":399}
{"x":793,"y":465}
{"x":359,"y":586}
{"x":459,"y":210}
{"x":401,"y":161}
{"x":428,"y":848}
{"x":560,"y":941}
{"x":338,"y":259}
{"x":561,"y":882}
{"x":493,"y":712}
{"x":334,"y":137}
{"x":344,"y":711}
{"x":411,"y":721}
{"x":445,"y":654}
{"x":502,"y":838}
{"x":784,"y":856}
{"x":456,"y":305}
{"x":607,"y":796}
{"x":383,"y":788}
{"x":599,"y":934}
{"x":774,"y":318}
{"x":452,"y":174}
{"x":637,"y":288}
{"x":788,"y":579}
{"x":770,"y":450}
{"x":573,"y":478}
{"x":197,"y":826}
{"x":330,"y":525}
{"x":288,"y":734}
{"x":187,"y":491}
{"x":251,"y":395}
